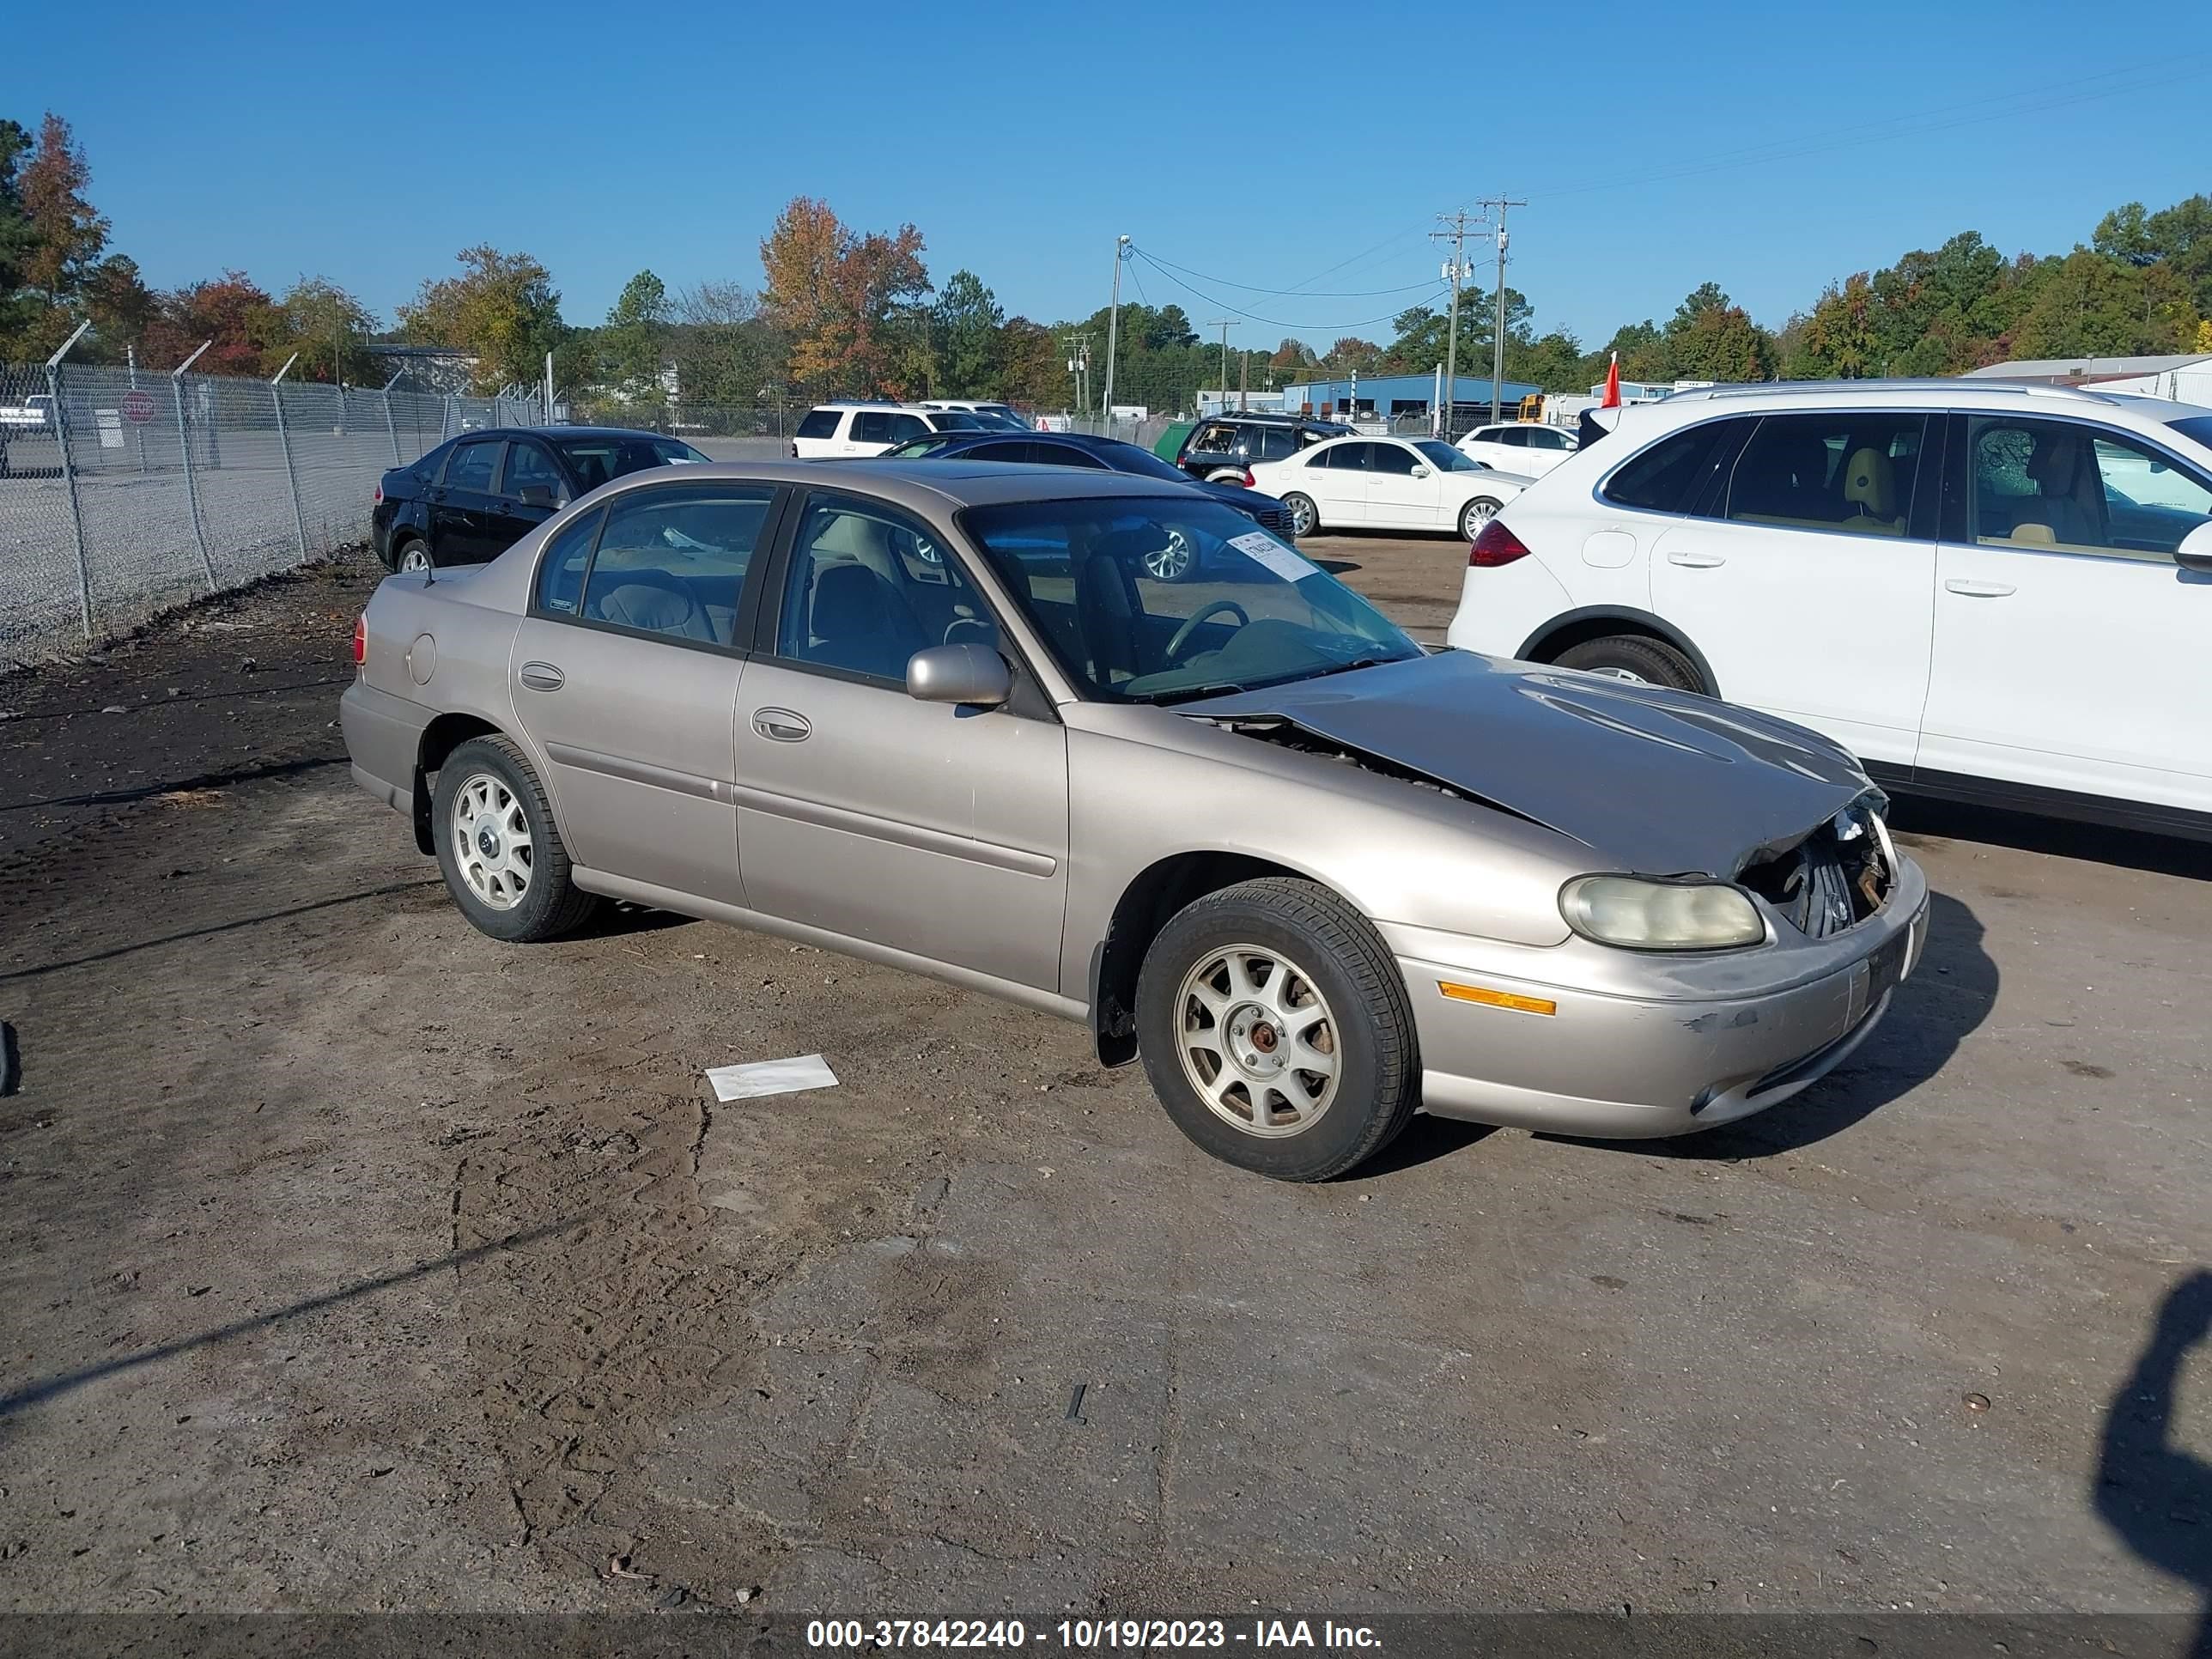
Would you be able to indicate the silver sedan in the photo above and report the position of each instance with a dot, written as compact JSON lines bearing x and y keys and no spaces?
{"x":943,"y":717}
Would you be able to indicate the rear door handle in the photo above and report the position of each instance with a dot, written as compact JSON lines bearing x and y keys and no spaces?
{"x":781,"y":725}
{"x":1697,"y":561}
{"x":1981,"y":589}
{"x":542,"y":676}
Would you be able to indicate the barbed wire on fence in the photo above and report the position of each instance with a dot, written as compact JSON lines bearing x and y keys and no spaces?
{"x":123,"y":492}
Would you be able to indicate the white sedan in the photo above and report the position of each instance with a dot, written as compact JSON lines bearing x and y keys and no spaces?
{"x":1520,"y":446}
{"x":1403,"y":483}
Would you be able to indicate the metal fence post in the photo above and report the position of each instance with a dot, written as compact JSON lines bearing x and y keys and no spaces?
{"x":191,"y":485}
{"x":390,"y":430}
{"x":76,"y":510}
{"x":284,"y":438}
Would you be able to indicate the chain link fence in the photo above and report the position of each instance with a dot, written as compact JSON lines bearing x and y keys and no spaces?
{"x":122,"y":493}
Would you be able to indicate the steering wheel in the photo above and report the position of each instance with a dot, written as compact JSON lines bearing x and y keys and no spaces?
{"x":1182,"y":634}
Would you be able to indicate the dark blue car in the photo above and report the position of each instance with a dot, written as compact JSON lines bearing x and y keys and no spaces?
{"x":1174,"y":562}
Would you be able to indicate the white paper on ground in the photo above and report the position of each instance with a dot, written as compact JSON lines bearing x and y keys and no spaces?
{"x":1266,"y":549}
{"x":771,"y":1077}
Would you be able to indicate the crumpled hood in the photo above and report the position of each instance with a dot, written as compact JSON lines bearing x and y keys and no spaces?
{"x":1654,"y":781}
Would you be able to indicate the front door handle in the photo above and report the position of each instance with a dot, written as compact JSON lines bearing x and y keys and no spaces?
{"x":542,"y":676}
{"x":1697,"y":561}
{"x":1981,"y":589}
{"x":781,"y":725}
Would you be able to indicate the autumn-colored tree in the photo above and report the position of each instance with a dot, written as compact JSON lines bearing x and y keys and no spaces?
{"x":67,"y":235}
{"x":502,"y":310}
{"x":234,"y":314}
{"x":839,"y":294}
{"x":1351,"y":355}
{"x":1032,"y":367}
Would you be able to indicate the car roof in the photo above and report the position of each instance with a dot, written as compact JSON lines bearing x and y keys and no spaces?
{"x":923,"y":484}
{"x":1974,"y":392}
{"x":559,"y":432}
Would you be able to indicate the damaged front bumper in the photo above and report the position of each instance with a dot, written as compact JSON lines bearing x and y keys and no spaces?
{"x":1586,"y":1039}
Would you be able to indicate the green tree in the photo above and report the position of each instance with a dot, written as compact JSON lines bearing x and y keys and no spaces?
{"x":328,"y":328}
{"x":967,"y":323}
{"x":629,"y":347}
{"x":502,"y":310}
{"x":1709,"y":338}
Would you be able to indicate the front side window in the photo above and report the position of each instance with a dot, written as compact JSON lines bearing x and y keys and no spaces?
{"x":869,"y":586}
{"x":873,"y":426}
{"x":1393,"y":459}
{"x":1273,"y":443}
{"x":1665,"y":475}
{"x":1257,"y":614}
{"x":473,"y":466}
{"x":529,"y":467}
{"x":2077,"y":488}
{"x":1852,"y":471}
{"x":897,"y":428}
{"x":673,"y":561}
{"x":819,"y":424}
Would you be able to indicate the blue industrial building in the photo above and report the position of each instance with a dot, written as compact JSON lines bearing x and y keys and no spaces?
{"x":1384,"y":397}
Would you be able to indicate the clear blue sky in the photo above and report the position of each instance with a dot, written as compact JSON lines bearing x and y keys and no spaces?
{"x":1658,"y":146}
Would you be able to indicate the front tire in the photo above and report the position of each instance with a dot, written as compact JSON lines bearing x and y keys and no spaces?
{"x":499,"y":849}
{"x":1305,"y":517}
{"x":1477,"y":513}
{"x":1636,"y":658}
{"x":1276,"y":1031}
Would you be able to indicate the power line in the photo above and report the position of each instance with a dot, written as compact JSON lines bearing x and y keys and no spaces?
{"x":1216,"y":301}
{"x":1288,"y":293}
{"x":1387,"y":241}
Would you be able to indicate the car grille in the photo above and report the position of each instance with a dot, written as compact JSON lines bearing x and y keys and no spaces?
{"x":1276,"y":521}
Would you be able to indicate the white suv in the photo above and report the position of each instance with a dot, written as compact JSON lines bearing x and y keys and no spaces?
{"x":1995,"y":592}
{"x":834,"y":429}
{"x":1519,"y":447}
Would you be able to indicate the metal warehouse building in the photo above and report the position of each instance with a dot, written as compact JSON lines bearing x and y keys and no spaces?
{"x":1381,"y":396}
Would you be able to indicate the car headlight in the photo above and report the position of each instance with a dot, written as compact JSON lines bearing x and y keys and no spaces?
{"x":1660,"y":915}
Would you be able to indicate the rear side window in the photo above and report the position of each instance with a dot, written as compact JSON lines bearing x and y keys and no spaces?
{"x":1273,"y":443}
{"x":672,"y":561}
{"x":560,"y":572}
{"x":473,"y":466}
{"x":1852,"y":471}
{"x":1667,"y":476}
{"x":819,"y":424}
{"x":1016,"y":451}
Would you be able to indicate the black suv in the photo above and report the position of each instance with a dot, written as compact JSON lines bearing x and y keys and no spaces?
{"x":473,"y":497}
{"x":1221,"y":447}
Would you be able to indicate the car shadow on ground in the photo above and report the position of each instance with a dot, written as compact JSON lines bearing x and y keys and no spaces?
{"x":2155,"y":1494}
{"x":621,"y":917}
{"x":1949,"y":994}
{"x":1917,"y":819}
{"x":1339,"y":567}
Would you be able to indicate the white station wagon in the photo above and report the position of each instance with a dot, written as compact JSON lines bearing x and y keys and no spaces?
{"x":1992,"y":591}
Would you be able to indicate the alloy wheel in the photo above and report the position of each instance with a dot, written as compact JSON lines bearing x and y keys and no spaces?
{"x":1257,"y":1040}
{"x":1171,"y":562}
{"x":416,"y":557}
{"x":492,"y":845}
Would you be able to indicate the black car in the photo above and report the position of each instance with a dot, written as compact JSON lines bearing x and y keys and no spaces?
{"x":1174,"y":562}
{"x":473,"y":497}
{"x":1224,"y":446}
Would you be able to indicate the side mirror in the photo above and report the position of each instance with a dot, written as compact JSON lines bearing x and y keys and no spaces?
{"x":1420,"y":469}
{"x":2195,"y":552}
{"x":972,"y":674}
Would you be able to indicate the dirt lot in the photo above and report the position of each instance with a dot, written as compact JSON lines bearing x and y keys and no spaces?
{"x":353,"y":1261}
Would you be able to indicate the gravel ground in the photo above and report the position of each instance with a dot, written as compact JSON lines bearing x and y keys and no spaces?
{"x":354,"y":1261}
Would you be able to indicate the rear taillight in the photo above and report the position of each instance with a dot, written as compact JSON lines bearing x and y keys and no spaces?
{"x":1494,"y":544}
{"x":376,"y":500}
{"x":794,"y":452}
{"x":360,"y":641}
{"x":1247,"y":478}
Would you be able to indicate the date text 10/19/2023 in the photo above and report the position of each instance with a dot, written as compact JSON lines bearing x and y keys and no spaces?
{"x":1088,"y":1635}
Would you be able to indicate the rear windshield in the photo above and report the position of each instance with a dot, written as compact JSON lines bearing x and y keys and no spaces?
{"x":595,"y":461}
{"x":819,"y":424}
{"x":2198,"y":427}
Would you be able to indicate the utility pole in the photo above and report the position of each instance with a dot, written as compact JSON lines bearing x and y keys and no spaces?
{"x":1498,"y":326}
{"x":1112,"y":329}
{"x":1243,"y":380}
{"x":1454,"y":272}
{"x":1224,"y":324}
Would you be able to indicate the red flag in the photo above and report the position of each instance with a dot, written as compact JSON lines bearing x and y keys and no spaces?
{"x":1613,"y":384}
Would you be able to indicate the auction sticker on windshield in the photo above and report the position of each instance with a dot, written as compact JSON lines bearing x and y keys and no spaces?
{"x":1264,"y":548}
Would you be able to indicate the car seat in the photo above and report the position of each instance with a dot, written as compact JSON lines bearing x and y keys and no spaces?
{"x":1871,"y":494}
{"x":652,"y":601}
{"x":857,"y":620}
{"x":1109,"y":608}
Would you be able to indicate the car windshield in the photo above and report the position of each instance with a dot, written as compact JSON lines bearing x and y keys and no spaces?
{"x":1444,"y":457}
{"x":595,"y":461}
{"x":2198,"y":427}
{"x":1162,"y":598}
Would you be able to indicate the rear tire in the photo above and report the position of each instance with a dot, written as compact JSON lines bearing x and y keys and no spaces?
{"x":412,"y":553}
{"x":499,"y":849}
{"x":1242,"y":984}
{"x":1305,"y":517}
{"x":1475,"y":514}
{"x":1637,"y":658}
